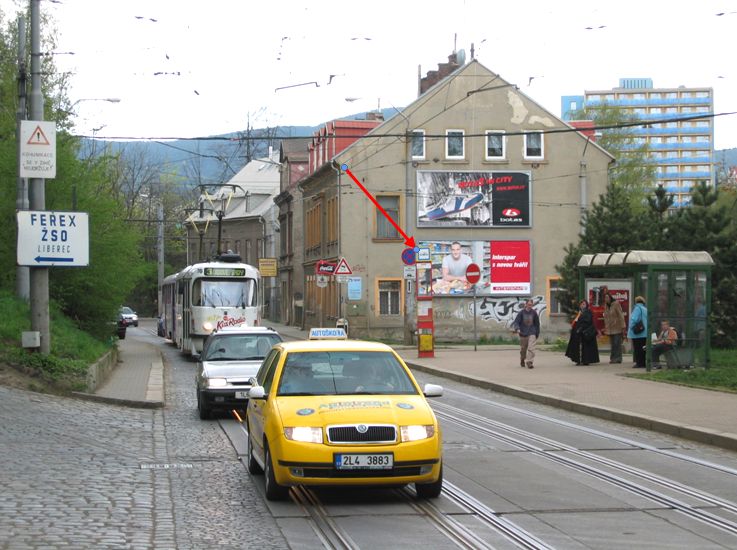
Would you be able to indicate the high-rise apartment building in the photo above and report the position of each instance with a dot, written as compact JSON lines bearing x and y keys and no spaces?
{"x":682,"y":150}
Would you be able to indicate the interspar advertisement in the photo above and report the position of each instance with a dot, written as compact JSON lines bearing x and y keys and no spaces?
{"x":473,"y":199}
{"x":505,"y":268}
{"x":510,"y":267}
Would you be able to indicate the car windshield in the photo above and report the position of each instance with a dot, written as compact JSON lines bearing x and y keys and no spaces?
{"x":344,"y":373}
{"x":239,"y":347}
{"x":126,"y":310}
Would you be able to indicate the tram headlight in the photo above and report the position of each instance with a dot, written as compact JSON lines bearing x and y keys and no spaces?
{"x":207,"y":326}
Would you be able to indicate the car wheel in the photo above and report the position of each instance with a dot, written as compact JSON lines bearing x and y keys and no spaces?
{"x":274,"y":491}
{"x":135,"y":324}
{"x":253,"y":466}
{"x":430,"y":490}
{"x":204,"y":411}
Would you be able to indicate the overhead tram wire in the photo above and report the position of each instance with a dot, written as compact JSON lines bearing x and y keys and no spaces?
{"x":649,"y":122}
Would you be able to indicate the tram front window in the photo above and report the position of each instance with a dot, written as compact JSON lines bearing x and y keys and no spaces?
{"x":223,"y":293}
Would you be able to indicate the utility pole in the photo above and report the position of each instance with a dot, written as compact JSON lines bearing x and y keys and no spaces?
{"x":39,"y":276}
{"x":160,"y":245}
{"x":22,"y":281}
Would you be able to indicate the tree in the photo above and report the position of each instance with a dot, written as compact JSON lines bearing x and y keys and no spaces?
{"x":661,"y":201}
{"x":90,"y":295}
{"x":609,"y":226}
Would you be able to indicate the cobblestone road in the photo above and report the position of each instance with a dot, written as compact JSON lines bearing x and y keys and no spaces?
{"x":79,"y":474}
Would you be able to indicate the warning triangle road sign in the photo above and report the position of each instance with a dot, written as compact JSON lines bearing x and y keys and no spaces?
{"x":38,"y":137}
{"x":343,"y":268}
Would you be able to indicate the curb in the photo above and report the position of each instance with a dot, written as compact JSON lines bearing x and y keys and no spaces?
{"x":692,"y":433}
{"x":122,"y":402}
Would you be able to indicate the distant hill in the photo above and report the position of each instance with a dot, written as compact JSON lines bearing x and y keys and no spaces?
{"x":213,"y":159}
{"x":726,"y":157}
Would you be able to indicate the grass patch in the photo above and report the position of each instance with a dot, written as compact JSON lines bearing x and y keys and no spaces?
{"x":722,"y":375}
{"x":72,"y":350}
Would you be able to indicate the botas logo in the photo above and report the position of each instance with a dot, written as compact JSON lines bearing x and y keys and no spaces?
{"x":511,"y":212}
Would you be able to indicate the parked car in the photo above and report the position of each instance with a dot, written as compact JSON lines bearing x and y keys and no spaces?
{"x":229,"y":360}
{"x":342,"y":412}
{"x":129,"y":316}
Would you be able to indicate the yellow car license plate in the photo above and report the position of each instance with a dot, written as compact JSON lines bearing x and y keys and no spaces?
{"x":364,"y":461}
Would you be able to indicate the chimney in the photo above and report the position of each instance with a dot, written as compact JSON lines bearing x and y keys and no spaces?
{"x":374,"y":115}
{"x":444,"y":69}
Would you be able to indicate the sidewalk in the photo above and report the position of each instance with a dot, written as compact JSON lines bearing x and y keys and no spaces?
{"x":597,"y":390}
{"x":138,"y":378}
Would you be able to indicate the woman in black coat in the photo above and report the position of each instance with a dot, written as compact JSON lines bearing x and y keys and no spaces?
{"x":582,"y":348}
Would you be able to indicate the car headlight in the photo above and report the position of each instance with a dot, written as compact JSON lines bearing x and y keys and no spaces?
{"x":207,"y":327}
{"x":216,"y":382}
{"x":304,"y":434}
{"x":415,"y":433}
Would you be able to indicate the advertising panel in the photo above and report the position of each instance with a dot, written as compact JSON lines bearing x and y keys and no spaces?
{"x":621,"y":290}
{"x":505,"y":268}
{"x":473,"y":199}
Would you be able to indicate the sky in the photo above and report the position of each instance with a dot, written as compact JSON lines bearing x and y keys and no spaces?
{"x":192,"y":68}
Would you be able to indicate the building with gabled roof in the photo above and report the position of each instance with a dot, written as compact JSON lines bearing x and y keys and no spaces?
{"x":472,"y":167}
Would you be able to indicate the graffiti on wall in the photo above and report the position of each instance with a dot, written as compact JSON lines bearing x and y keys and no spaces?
{"x":504,"y":310}
{"x":488,"y":309}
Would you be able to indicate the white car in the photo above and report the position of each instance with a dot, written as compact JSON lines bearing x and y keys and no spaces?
{"x":229,"y":360}
{"x":129,"y":316}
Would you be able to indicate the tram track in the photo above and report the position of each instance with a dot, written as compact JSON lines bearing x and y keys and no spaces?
{"x":600,"y":434}
{"x":513,"y":436}
{"x":333,"y":537}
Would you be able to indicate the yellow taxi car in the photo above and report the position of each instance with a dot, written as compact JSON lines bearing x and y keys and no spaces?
{"x":341,"y":412}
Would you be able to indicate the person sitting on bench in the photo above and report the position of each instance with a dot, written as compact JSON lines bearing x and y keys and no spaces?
{"x":665,"y":342}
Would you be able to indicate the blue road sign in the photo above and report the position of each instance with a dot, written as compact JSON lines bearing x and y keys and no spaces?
{"x":408,"y":256}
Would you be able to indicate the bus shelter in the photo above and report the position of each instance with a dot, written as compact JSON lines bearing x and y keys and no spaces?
{"x":676,"y":286}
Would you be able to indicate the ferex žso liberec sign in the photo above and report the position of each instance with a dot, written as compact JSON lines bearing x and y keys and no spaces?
{"x":53,"y":238}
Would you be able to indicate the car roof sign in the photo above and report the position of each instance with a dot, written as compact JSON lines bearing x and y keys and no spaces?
{"x":327,"y":334}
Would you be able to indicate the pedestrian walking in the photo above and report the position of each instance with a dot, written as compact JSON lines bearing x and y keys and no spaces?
{"x":582,"y":348}
{"x":614,"y":327}
{"x":527,"y":326}
{"x":637,"y":332}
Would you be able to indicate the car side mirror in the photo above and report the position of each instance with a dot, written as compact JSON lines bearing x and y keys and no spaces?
{"x":257,"y":392}
{"x":432,"y":390}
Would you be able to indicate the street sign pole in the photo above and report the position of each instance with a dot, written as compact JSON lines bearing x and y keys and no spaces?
{"x":475,"y":334}
{"x":473,"y":274}
{"x":39,"y":276}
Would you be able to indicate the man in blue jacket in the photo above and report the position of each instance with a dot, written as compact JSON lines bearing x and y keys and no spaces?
{"x":527,"y":326}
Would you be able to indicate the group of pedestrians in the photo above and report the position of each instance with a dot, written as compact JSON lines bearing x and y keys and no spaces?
{"x":582,"y":347}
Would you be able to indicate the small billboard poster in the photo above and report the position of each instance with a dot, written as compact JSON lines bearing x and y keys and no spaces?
{"x":505,"y":268}
{"x":620,"y":289}
{"x":473,"y":199}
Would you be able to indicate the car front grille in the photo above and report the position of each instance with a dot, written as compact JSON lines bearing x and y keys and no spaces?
{"x":362,"y":433}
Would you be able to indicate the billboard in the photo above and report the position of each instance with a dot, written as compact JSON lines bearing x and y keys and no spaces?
{"x":473,"y":199}
{"x":505,"y":267}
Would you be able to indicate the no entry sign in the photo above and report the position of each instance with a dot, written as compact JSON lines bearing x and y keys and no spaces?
{"x":473,"y":273}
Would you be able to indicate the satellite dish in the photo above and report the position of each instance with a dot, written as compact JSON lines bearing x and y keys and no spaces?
{"x":461,"y":57}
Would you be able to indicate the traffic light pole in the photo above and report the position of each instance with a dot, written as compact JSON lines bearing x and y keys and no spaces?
{"x":39,"y":276}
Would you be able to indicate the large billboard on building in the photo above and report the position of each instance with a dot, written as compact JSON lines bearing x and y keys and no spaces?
{"x":505,"y":268}
{"x":473,"y":199}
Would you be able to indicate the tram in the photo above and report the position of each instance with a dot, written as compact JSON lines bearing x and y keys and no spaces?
{"x":209,"y":295}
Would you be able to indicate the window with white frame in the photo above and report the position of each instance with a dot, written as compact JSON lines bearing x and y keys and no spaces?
{"x":454,"y":144}
{"x":390,"y":295}
{"x":534,"y":145}
{"x":495,"y":145}
{"x":418,"y":144}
